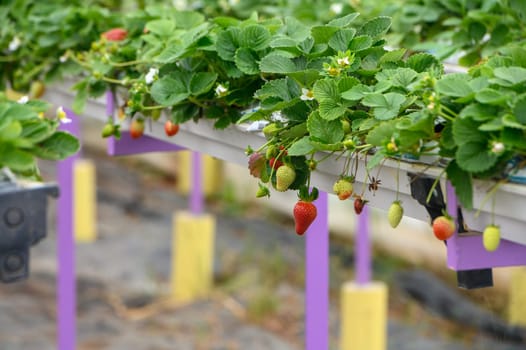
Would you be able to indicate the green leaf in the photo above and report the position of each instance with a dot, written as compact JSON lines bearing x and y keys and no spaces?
{"x":11,"y":131}
{"x":511,"y":75}
{"x":382,"y":133}
{"x":322,"y":130}
{"x":404,"y":77}
{"x":478,"y":112}
{"x":284,"y":89}
{"x":161,"y":27}
{"x":375,"y":160}
{"x":385,"y":106}
{"x":188,"y":19}
{"x":491,"y":96}
{"x":422,"y":62}
{"x":461,"y":181}
{"x":475,"y":157}
{"x":255,"y":37}
{"x":454,"y":85}
{"x":357,"y":92}
{"x":341,"y":40}
{"x":393,"y":56}
{"x":202,"y":82}
{"x":247,"y":61}
{"x":59,"y":146}
{"x":519,"y":110}
{"x":227,"y":43}
{"x":37,"y":131}
{"x":343,"y":21}
{"x":20,"y":112}
{"x":81,"y":96}
{"x":465,"y":130}
{"x":376,"y":26}
{"x":275,"y":63}
{"x":360,"y":43}
{"x":301,"y":147}
{"x":330,"y":110}
{"x":171,"y":53}
{"x":17,"y":160}
{"x":510,"y":121}
{"x":169,"y":91}
{"x":326,"y":89}
{"x":322,"y":34}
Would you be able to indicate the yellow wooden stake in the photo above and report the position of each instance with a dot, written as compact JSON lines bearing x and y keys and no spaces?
{"x":211,"y":174}
{"x":363,"y":316}
{"x":192,"y":255}
{"x":84,"y":201}
{"x":517,"y":294}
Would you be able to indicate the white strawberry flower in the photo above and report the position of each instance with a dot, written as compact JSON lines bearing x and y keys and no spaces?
{"x":62,"y":116}
{"x":306,"y":94}
{"x":221,"y":90}
{"x":337,"y":8}
{"x":343,"y":61}
{"x":151,"y":76}
{"x":497,"y":147}
{"x":23,"y":100}
{"x":14,"y":44}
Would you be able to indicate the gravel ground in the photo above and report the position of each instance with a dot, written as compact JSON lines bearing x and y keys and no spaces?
{"x":257,"y":302}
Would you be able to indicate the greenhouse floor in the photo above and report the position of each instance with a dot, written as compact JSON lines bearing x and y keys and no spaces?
{"x":257,"y":301}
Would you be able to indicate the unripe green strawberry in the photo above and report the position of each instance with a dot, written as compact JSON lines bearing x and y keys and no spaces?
{"x":285,"y":176}
{"x":443,"y":227}
{"x":270,"y":130}
{"x":395,"y":214}
{"x":343,"y":188}
{"x":262,"y":191}
{"x":108,"y":130}
{"x":37,"y":89}
{"x":304,"y":214}
{"x":491,"y":238}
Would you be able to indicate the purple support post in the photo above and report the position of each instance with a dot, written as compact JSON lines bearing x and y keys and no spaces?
{"x":66,"y":288}
{"x":196,"y":195}
{"x":317,"y":279}
{"x":363,"y":248}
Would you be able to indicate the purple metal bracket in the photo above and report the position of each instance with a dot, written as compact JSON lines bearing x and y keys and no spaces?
{"x":468,"y":253}
{"x":66,"y":287}
{"x":363,"y":248}
{"x":128,"y":146}
{"x":317,"y":279}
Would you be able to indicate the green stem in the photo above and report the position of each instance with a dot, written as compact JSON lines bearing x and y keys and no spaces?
{"x":490,"y":194}
{"x":149,"y":108}
{"x":434,"y":185}
{"x":126,"y":64}
{"x":196,"y":102}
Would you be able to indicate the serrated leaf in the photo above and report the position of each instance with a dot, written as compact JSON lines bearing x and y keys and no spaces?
{"x":403,"y":77}
{"x":375,"y":160}
{"x":169,"y":91}
{"x":275,"y":63}
{"x":512,"y":75}
{"x":510,"y":121}
{"x":376,"y":26}
{"x":301,"y":147}
{"x":344,"y":21}
{"x":322,"y":34}
{"x":326,"y":89}
{"x":171,"y":53}
{"x":227,"y":43}
{"x":202,"y":82}
{"x":386,"y":106}
{"x":475,"y":157}
{"x":81,"y":97}
{"x":17,"y":160}
{"x":357,"y":92}
{"x":491,"y":96}
{"x":59,"y":146}
{"x":382,"y":133}
{"x":519,"y":110}
{"x":11,"y":131}
{"x":360,"y":43}
{"x":330,"y":109}
{"x":284,"y":89}
{"x":478,"y":112}
{"x":247,"y":61}
{"x":454,"y":85}
{"x":255,"y":37}
{"x":465,"y":130}
{"x":341,"y":40}
{"x":37,"y":131}
{"x":322,"y":130}
{"x":393,"y":56}
{"x":422,"y":62}
{"x":461,"y":181}
{"x":161,"y":27}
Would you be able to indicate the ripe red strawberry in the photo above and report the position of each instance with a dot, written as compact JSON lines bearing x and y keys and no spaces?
{"x":285,"y":176}
{"x":343,"y":188}
{"x":359,"y":203}
{"x":304,"y":214}
{"x":136,"y":128}
{"x":443,"y":227}
{"x":115,"y":34}
{"x":275,"y":163}
{"x":170,"y":128}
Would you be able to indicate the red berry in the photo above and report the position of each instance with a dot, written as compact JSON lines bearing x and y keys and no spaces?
{"x":115,"y":34}
{"x":170,"y":128}
{"x":304,"y":214}
{"x":275,"y":163}
{"x":443,"y":227}
{"x":359,"y":203}
{"x":136,"y":128}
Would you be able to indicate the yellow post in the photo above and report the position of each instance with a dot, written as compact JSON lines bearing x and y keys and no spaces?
{"x":192,"y":255}
{"x":84,"y":201}
{"x":363,"y":316}
{"x":211,"y":174}
{"x":517,"y":294}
